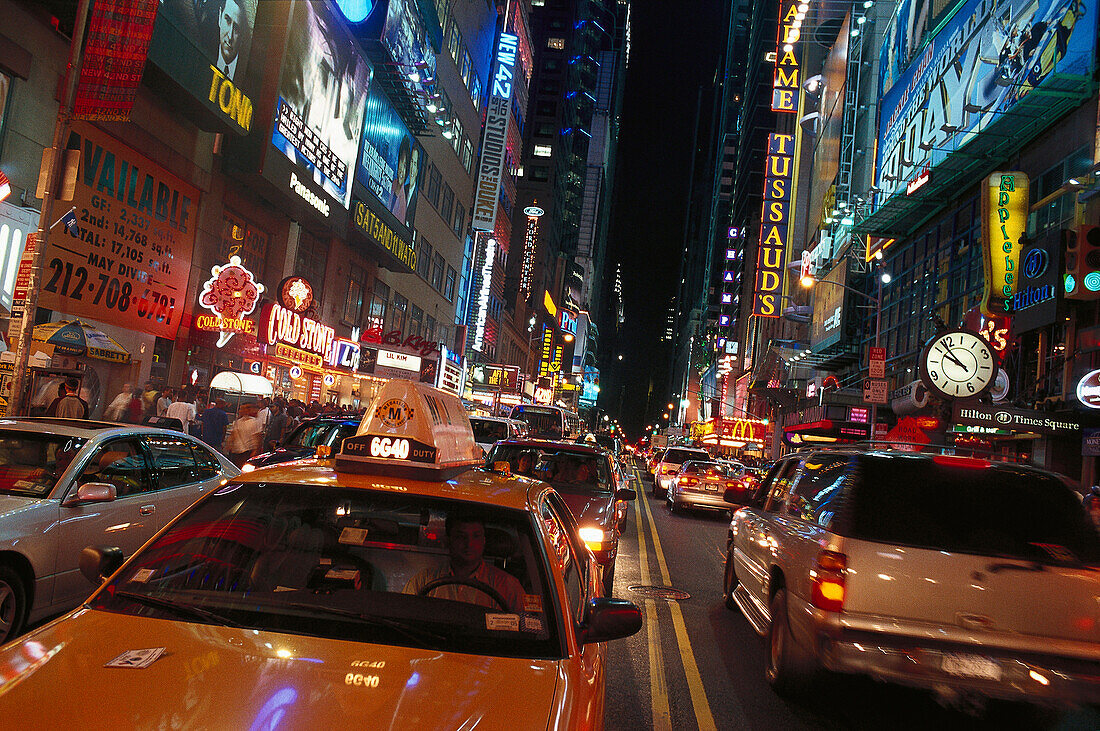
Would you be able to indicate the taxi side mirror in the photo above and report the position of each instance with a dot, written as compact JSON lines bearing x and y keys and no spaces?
{"x":608,"y":619}
{"x":626,"y":493}
{"x":502,"y":467}
{"x":99,"y":562}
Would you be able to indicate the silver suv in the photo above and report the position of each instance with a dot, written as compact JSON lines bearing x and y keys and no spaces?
{"x":967,"y":577}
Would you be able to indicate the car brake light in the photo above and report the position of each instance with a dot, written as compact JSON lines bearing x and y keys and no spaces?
{"x":966,"y":462}
{"x":687,"y":481}
{"x":829,"y":581}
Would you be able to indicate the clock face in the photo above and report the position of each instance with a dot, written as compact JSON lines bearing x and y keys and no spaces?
{"x":958,"y":364}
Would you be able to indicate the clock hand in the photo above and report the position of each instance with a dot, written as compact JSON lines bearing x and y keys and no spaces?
{"x":947,"y":354}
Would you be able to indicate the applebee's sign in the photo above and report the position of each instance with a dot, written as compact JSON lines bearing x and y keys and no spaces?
{"x":1088,"y":390}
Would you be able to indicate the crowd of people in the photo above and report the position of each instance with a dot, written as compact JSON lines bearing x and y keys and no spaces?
{"x":256,"y":426}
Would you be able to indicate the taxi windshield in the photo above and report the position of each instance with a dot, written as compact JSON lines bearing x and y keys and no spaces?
{"x":32,"y":463}
{"x":310,"y":434}
{"x":565,"y":469}
{"x":357,"y":565}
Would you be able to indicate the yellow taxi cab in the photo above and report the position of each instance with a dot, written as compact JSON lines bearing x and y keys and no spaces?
{"x":392,"y":585}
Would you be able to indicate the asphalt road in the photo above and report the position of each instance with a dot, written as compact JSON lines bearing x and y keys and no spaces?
{"x":696,"y":664}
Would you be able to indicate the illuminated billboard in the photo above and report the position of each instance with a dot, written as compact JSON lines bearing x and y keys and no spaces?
{"x":984,"y":60}
{"x":1004,"y":219}
{"x":390,"y":160}
{"x":205,"y":47}
{"x":494,"y":141}
{"x":319,"y":114}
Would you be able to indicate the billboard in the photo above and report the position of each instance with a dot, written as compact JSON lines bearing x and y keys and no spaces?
{"x":830,"y":105}
{"x":774,"y":225}
{"x":1004,"y":201}
{"x":130,"y":261}
{"x":119,"y":32}
{"x":319,"y":114}
{"x":390,"y":160}
{"x":827,"y":326}
{"x":205,"y":47}
{"x":494,"y":141}
{"x":406,"y":38}
{"x":985,"y":59}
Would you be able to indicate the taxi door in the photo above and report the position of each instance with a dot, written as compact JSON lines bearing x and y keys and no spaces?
{"x":581,"y":702}
{"x":126,"y":522}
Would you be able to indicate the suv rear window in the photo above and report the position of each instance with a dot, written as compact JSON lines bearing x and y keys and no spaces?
{"x":679,"y":456}
{"x":987,"y":511}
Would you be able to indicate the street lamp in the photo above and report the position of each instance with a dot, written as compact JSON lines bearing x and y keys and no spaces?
{"x":881,"y":279}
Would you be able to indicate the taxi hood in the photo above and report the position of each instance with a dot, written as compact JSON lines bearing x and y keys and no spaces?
{"x":223,"y":677}
{"x":588,"y":507}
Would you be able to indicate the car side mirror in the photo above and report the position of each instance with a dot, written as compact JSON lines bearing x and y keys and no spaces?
{"x":99,"y":562}
{"x":609,"y":619}
{"x":502,"y":467}
{"x":626,"y":493}
{"x":91,"y":492}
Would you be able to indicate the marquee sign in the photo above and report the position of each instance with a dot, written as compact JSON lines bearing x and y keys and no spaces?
{"x":786,"y":80}
{"x":1004,"y":219}
{"x":774,"y":227}
{"x":278,"y":325}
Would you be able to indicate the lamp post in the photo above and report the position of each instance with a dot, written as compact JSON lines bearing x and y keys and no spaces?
{"x":809,"y":281}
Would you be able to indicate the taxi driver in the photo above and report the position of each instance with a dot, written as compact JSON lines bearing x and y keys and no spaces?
{"x":466,"y":545}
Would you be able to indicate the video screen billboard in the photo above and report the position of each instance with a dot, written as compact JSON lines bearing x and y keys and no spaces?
{"x":323,"y":88}
{"x":406,"y":38}
{"x":390,"y":160}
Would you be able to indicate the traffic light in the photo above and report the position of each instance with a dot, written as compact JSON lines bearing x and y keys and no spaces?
{"x":1082,"y":278}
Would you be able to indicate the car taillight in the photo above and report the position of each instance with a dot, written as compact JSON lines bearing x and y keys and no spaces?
{"x":828,"y":577}
{"x":667,"y":469}
{"x":687,"y":481}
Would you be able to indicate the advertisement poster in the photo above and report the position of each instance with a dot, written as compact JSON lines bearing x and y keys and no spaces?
{"x":985,"y":59}
{"x":117,"y":45}
{"x":204,"y":45}
{"x":829,"y":300}
{"x":319,"y":114}
{"x":391,"y":159}
{"x":405,"y":37}
{"x":494,"y":141}
{"x":130,"y":261}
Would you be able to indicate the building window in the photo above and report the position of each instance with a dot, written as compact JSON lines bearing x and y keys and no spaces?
{"x":468,"y":155}
{"x":378,"y":304}
{"x":434,"y":180}
{"x":546,"y":129}
{"x":459,"y":220}
{"x":542,"y":151}
{"x":546,"y":108}
{"x":454,"y":43}
{"x":311,"y":260}
{"x":429,"y":328}
{"x":456,"y":135}
{"x":400,"y":312}
{"x":551,"y":64}
{"x":438,"y":265}
{"x":540,"y":174}
{"x":239,"y":238}
{"x":357,"y":287}
{"x":558,"y":44}
{"x":424,"y":259}
{"x":475,"y":91}
{"x":416,"y":320}
{"x":449,"y":286}
{"x":447,"y":203}
{"x":466,"y":67}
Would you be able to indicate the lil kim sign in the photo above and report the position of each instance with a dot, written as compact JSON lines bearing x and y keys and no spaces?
{"x":1004,"y":218}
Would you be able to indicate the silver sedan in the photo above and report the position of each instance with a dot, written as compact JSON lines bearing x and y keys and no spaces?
{"x":66,"y":484}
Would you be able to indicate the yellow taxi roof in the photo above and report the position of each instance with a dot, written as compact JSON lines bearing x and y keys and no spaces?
{"x":479,"y":486}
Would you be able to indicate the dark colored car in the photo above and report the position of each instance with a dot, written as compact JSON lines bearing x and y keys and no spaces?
{"x":584,"y":476}
{"x":306,"y":437}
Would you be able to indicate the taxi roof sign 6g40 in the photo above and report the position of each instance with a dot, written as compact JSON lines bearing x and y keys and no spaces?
{"x":411,"y":430}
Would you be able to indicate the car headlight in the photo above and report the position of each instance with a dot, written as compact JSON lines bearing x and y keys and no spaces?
{"x":247,"y":467}
{"x":592,"y":537}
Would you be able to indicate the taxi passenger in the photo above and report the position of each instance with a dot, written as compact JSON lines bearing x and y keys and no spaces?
{"x":466,"y":544}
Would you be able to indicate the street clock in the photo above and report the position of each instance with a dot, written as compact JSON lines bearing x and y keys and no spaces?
{"x":958,"y":364}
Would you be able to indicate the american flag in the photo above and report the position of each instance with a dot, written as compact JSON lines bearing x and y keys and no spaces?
{"x":5,"y":186}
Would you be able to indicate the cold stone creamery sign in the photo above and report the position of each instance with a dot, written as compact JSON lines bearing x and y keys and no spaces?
{"x":130,"y":261}
{"x":774,"y":226}
{"x":282,"y":327}
{"x":1004,"y":217}
{"x":495,"y":140}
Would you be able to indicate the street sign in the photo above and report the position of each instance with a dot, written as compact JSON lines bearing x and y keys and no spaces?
{"x":878,"y":363}
{"x":875,"y":391}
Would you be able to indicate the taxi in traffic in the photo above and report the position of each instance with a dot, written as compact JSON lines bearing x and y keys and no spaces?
{"x":390,"y":585}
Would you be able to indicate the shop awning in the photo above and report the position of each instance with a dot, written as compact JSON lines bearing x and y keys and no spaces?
{"x":248,"y":383}
{"x":961,"y":169}
{"x":73,"y":337}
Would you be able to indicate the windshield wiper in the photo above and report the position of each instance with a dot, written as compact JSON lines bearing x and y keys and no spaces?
{"x":178,"y":607}
{"x":415,"y":633}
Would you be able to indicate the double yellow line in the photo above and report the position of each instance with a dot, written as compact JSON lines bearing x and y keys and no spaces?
{"x":657,"y":682}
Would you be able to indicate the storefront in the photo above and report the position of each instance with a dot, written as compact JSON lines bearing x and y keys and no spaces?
{"x":1045,"y":439}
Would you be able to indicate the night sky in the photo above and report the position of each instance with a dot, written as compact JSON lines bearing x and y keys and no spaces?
{"x":671,"y":55}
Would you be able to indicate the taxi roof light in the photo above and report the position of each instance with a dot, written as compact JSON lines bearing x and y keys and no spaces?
{"x":411,"y":430}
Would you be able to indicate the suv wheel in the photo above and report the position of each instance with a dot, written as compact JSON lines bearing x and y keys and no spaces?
{"x":729,"y":583}
{"x":13,"y":598}
{"x":789,"y":668}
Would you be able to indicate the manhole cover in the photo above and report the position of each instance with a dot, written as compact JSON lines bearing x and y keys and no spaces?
{"x":660,"y":592}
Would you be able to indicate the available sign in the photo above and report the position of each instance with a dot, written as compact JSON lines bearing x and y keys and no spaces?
{"x":1019,"y":420}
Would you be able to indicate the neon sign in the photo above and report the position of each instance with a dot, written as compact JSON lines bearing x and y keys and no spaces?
{"x":231,"y":294}
{"x":280,"y":325}
{"x":483,"y":295}
{"x":495,"y":139}
{"x":774,"y":225}
{"x":1004,"y":215}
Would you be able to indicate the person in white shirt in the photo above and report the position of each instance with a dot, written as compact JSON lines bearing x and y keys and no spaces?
{"x":184,"y":411}
{"x":164,"y":402}
{"x":244,"y":436}
{"x":264,"y":414}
